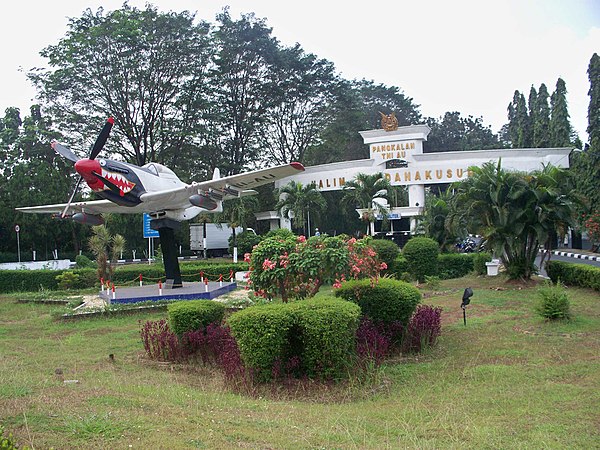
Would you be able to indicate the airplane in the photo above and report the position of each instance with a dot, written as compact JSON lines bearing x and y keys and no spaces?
{"x":152,"y":188}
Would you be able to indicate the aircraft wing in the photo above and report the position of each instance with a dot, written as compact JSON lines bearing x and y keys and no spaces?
{"x":232,"y":186}
{"x":91,"y":207}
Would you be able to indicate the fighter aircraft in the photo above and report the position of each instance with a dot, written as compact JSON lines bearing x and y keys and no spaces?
{"x":152,"y":188}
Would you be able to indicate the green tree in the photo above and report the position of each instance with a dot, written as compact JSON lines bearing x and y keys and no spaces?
{"x":454,"y":133}
{"x":514,"y":212}
{"x":243,"y":67}
{"x":433,"y":222}
{"x":33,"y":174}
{"x":560,"y":126}
{"x":541,"y":119}
{"x":304,"y":87}
{"x":238,"y":212}
{"x":366,"y":192}
{"x":146,"y":69}
{"x":300,"y":200}
{"x":105,"y":247}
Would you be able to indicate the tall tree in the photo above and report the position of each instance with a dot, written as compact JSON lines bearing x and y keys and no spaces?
{"x":245,"y":56}
{"x":304,"y":87}
{"x":560,"y":126}
{"x":146,"y":69}
{"x":541,"y":119}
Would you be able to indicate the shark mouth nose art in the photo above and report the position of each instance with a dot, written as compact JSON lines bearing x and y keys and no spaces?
{"x":125,"y":186}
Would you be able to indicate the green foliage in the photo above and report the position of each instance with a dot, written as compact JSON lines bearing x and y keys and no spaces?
{"x":515,"y":212}
{"x":319,"y":331}
{"x":399,"y":266}
{"x":421,"y":253}
{"x":432,"y":282}
{"x":387,"y":251}
{"x":283,"y":233}
{"x":479,"y":260}
{"x":67,"y":280}
{"x":455,"y":133}
{"x":299,"y":201}
{"x":192,"y":315}
{"x":455,"y":265}
{"x":8,"y":442}
{"x":571,"y":274}
{"x":384,"y":301}
{"x":83,"y":262}
{"x":554,"y":301}
{"x":246,"y":240}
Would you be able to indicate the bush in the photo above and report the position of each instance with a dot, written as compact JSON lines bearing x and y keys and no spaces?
{"x":455,"y":265}
{"x":423,"y":329}
{"x":246,"y":240}
{"x":387,"y":251}
{"x":385,"y":301}
{"x":67,"y":280}
{"x":192,"y":315}
{"x":83,"y":262}
{"x":282,"y":233}
{"x":318,"y":333}
{"x":573,"y":274}
{"x":160,"y":342}
{"x":554,"y":301}
{"x":479,"y":262}
{"x":421,"y":253}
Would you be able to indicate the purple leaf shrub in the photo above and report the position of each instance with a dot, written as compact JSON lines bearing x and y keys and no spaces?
{"x":423,"y":329}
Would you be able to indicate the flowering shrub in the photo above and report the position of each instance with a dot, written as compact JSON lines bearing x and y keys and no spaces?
{"x":591,"y":222}
{"x":423,"y":329}
{"x":372,"y":344}
{"x":296,"y":267}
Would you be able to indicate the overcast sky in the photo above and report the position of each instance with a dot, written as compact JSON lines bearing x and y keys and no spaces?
{"x":461,"y":55}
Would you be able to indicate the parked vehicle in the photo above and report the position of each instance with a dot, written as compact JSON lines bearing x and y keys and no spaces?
{"x":217,"y":238}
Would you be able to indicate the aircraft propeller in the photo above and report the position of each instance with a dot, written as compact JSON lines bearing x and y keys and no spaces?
{"x":96,"y":149}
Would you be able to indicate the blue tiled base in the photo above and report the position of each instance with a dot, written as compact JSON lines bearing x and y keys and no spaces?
{"x":189,"y":291}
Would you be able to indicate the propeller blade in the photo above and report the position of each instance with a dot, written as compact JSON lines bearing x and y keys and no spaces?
{"x":102,"y":137}
{"x":64,"y":213}
{"x":64,"y":151}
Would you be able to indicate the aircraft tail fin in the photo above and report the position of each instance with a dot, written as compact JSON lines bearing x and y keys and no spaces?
{"x":216,"y":174}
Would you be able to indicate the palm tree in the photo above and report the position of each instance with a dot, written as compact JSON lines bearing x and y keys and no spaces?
{"x":104,"y":246}
{"x":362,"y":193}
{"x":514,"y":212}
{"x":237,"y":212}
{"x":300,"y":200}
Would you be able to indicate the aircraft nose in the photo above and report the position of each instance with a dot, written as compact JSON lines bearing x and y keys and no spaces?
{"x":85,"y":167}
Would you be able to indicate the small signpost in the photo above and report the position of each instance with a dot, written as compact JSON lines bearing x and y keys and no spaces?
{"x":149,"y":234}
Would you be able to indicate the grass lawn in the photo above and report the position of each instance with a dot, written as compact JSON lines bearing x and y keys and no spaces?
{"x":507,"y":380}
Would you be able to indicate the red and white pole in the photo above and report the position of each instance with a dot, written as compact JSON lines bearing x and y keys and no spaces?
{"x":220,"y":280}
{"x":113,"y":291}
{"x":102,"y":285}
{"x":159,"y":287}
{"x":140,"y":280}
{"x":231,"y":276}
{"x":206,"y":284}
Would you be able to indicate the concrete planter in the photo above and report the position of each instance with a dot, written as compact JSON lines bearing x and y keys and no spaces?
{"x":492,"y":267}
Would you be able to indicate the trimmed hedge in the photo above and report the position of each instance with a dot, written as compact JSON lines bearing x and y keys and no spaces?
{"x":421,"y":254}
{"x":455,"y":265}
{"x":573,"y":274}
{"x":386,"y":301}
{"x":193,"y":315}
{"x":319,"y":331}
{"x":387,"y":251}
{"x":479,"y":262}
{"x":34,"y":280}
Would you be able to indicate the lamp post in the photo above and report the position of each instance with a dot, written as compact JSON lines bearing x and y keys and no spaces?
{"x":466,"y":299}
{"x":17,"y":230}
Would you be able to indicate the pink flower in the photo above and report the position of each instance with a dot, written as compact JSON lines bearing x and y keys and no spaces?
{"x":355,"y":269}
{"x":247,"y":257}
{"x":337,"y":284}
{"x":268,"y":264}
{"x":301,"y":238}
{"x":382,"y":266}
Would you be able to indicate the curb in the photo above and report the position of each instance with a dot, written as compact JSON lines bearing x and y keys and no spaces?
{"x":576,"y":255}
